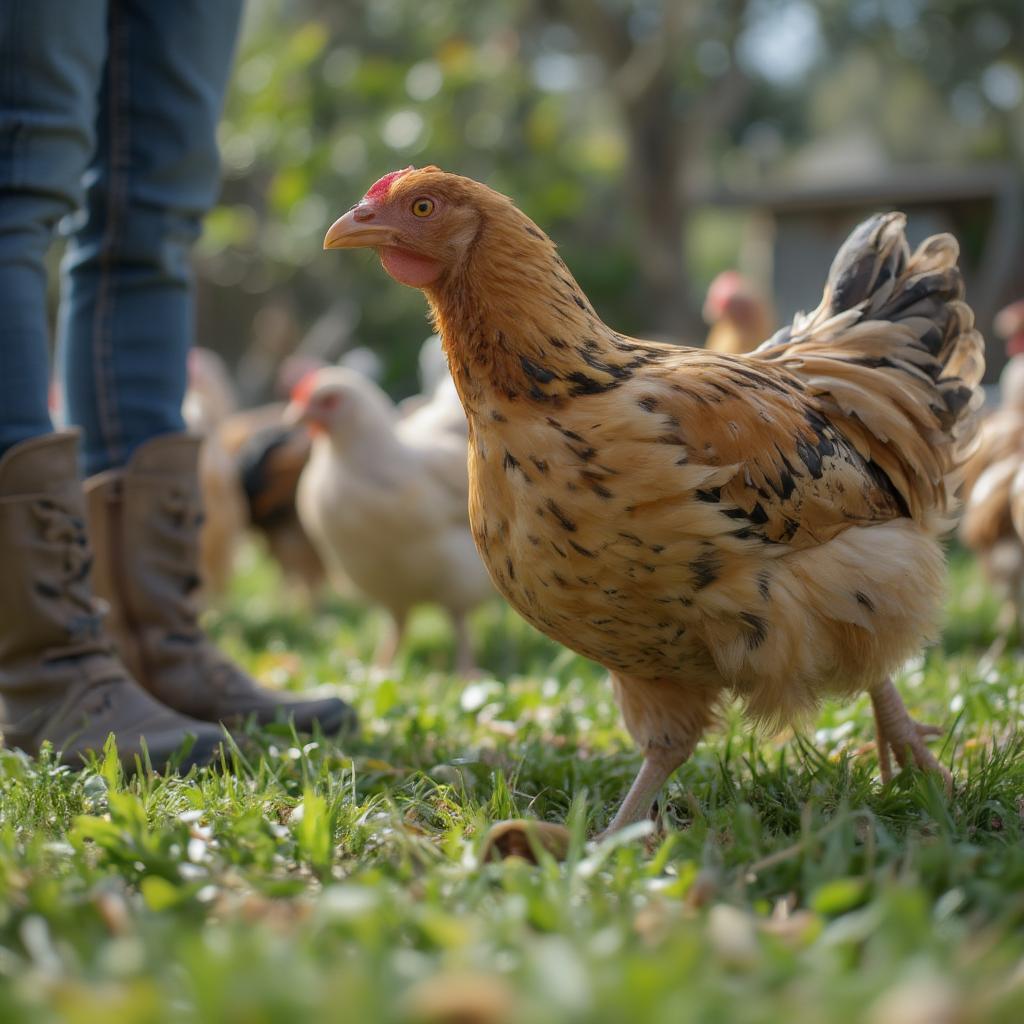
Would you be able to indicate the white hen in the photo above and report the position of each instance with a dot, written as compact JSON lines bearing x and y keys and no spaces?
{"x":385,"y":500}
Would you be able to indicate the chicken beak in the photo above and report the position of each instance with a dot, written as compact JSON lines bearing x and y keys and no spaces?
{"x":355,"y":230}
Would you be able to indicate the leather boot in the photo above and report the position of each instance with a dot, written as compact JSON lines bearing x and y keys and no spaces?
{"x":59,"y":677}
{"x":144,"y":520}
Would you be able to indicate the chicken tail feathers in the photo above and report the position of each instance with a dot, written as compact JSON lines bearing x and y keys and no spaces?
{"x":892,"y":356}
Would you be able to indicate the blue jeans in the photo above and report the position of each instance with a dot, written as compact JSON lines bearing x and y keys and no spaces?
{"x":108,"y":117}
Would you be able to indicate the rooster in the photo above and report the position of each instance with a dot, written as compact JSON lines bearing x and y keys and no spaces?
{"x":740,"y":318}
{"x":701,"y":524}
{"x":385,"y":501}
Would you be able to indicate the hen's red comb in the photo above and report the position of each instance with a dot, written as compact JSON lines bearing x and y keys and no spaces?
{"x":304,"y":388}
{"x":380,"y":189}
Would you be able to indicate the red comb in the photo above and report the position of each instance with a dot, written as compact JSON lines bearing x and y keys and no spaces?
{"x":725,"y":286}
{"x":380,"y":189}
{"x":304,"y":388}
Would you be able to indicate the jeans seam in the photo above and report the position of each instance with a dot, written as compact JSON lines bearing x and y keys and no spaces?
{"x":118,"y":82}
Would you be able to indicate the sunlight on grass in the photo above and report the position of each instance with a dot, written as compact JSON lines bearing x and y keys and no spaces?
{"x":339,"y":881}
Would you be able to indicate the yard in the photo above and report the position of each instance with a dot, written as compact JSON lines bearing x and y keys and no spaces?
{"x":341,"y":882}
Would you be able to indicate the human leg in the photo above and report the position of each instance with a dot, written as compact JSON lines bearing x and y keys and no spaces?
{"x":126,"y":327}
{"x":59,"y":678}
{"x":51,"y":56}
{"x":126,"y":314}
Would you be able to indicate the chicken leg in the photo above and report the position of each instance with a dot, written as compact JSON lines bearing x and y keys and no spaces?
{"x":666,"y":719}
{"x":1011,"y":615}
{"x":389,"y":643}
{"x":899,"y":734}
{"x":508,"y":838}
{"x":659,"y":764}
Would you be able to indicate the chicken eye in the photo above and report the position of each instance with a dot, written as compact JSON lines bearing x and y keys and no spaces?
{"x":422,"y":207}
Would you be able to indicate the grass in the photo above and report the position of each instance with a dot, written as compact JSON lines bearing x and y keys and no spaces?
{"x":324,"y":881}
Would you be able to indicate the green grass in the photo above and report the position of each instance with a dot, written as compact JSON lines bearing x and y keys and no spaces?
{"x":340,"y":882}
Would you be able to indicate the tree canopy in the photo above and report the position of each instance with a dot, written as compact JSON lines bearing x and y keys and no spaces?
{"x":602,"y":118}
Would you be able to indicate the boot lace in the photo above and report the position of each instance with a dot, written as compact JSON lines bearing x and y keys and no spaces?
{"x":62,"y":528}
{"x":184,"y":509}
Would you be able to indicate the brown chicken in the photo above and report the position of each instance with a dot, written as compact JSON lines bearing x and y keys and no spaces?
{"x":703,"y":525}
{"x":210,"y":401}
{"x":269,"y":457}
{"x":739,"y":316}
{"x":993,"y":522}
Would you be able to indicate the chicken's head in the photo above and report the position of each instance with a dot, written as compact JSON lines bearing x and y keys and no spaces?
{"x":422,"y":222}
{"x":340,"y":403}
{"x":1009,"y":324}
{"x":731,"y":295}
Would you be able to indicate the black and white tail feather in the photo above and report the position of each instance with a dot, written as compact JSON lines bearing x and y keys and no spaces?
{"x":892,"y":356}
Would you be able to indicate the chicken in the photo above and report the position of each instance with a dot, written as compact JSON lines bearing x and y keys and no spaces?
{"x":385,"y":501}
{"x":703,"y":525}
{"x":739,"y":316}
{"x":249,"y":467}
{"x":993,"y":522}
{"x":1009,"y":324}
{"x":210,"y":396}
{"x":432,"y":365}
{"x":268,"y":457}
{"x":441,"y":412}
{"x":210,"y":400}
{"x":438,"y":392}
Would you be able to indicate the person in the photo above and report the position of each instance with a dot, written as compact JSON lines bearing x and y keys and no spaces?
{"x":108,"y":117}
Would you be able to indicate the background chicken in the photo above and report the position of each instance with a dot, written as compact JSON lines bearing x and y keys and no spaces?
{"x":437,"y":406}
{"x":270,"y":456}
{"x":385,"y":501}
{"x":704,"y":525}
{"x":993,"y":522}
{"x":249,"y":468}
{"x":739,"y":316}
{"x":210,"y":401}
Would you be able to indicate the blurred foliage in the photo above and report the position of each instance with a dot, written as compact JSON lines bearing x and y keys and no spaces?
{"x":603,"y":118}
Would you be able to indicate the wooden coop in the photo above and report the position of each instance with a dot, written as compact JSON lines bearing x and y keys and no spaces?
{"x":793,"y":232}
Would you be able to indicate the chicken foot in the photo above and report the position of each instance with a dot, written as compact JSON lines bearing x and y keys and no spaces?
{"x":899,"y":734}
{"x":512,"y":838}
{"x":659,"y":764}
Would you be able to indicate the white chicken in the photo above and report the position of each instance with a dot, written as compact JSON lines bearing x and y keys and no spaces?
{"x":437,"y":405}
{"x":385,"y":501}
